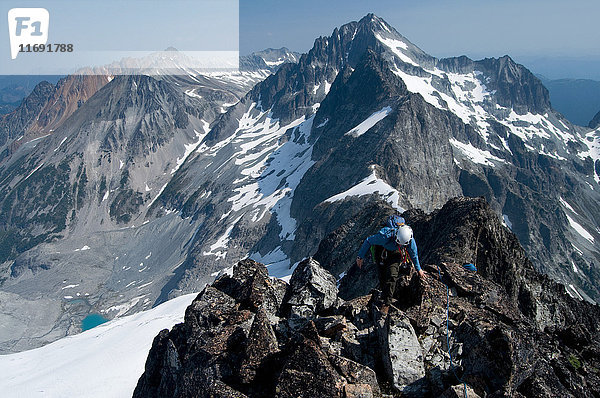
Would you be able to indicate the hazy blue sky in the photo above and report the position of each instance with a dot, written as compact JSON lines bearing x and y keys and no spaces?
{"x":98,"y":29}
{"x":558,"y":38}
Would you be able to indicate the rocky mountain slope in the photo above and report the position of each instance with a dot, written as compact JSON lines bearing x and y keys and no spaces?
{"x":509,"y":330}
{"x":269,"y":59}
{"x":45,"y":109}
{"x":73,"y":194}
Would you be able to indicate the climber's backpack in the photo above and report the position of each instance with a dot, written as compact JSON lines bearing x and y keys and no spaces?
{"x":394,"y":221}
{"x":391,"y":226}
{"x":378,"y":253}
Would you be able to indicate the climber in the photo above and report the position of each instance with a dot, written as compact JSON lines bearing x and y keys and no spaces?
{"x":391,"y":248}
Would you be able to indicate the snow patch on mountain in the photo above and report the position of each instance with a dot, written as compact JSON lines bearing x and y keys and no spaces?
{"x":369,"y":122}
{"x":466,"y":103}
{"x":592,"y":141}
{"x":59,"y":145}
{"x":33,"y":171}
{"x":122,"y":309}
{"x":222,"y":242}
{"x":371,"y":185}
{"x":192,"y":93}
{"x":323,"y":123}
{"x":265,"y":161}
{"x":322,"y":88}
{"x":277,"y":262}
{"x":468,"y":97}
{"x":276,"y":169}
{"x":575,"y":269}
{"x":506,"y":221}
{"x":189,"y":148}
{"x":573,"y":291}
{"x":476,"y":155}
{"x":566,"y":205}
{"x":397,"y":46}
{"x":579,"y":229}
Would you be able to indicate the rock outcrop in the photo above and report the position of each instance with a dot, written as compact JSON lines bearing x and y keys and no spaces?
{"x":233,"y":342}
{"x":501,"y":331}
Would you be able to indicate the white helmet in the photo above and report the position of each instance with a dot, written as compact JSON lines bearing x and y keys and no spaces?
{"x":404,"y":235}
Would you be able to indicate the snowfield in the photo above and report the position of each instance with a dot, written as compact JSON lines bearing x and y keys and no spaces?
{"x":103,"y":362}
{"x":369,"y":122}
{"x":370,"y":185}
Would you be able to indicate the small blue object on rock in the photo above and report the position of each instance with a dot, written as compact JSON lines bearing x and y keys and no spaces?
{"x":470,"y":267}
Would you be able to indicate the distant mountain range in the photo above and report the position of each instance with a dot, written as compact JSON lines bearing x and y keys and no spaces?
{"x":120,"y":192}
{"x":577,"y":99}
{"x":595,"y":122}
{"x":13,"y":89}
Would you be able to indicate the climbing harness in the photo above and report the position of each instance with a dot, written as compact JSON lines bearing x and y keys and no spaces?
{"x":404,"y":254}
{"x":448,"y":329}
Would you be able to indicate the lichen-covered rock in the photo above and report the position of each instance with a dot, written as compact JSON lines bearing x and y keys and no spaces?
{"x":356,"y":374}
{"x":260,"y":344}
{"x":308,"y":373}
{"x":402,"y":355}
{"x":251,"y":285}
{"x":312,"y":290}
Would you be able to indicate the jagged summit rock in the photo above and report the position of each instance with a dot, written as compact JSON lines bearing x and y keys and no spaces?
{"x":229,"y":347}
{"x":537,"y":343}
{"x":312,"y":289}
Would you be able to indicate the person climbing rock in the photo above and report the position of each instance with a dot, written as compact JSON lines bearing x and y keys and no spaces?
{"x":392,"y":248}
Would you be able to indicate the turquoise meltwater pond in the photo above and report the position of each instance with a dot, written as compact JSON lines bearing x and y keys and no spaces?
{"x":91,"y":321}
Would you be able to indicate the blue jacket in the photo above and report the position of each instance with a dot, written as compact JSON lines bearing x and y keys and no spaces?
{"x":379,"y":239}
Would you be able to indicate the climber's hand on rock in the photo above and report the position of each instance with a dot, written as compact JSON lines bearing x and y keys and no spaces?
{"x":359,"y":262}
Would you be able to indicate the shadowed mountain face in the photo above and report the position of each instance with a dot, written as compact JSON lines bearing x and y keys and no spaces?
{"x":510,"y":330}
{"x":595,"y":122}
{"x":154,"y":185}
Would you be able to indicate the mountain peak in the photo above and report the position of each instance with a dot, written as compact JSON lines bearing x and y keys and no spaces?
{"x":375,"y":23}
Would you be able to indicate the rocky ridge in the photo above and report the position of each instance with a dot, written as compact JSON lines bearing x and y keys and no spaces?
{"x":510,"y":331}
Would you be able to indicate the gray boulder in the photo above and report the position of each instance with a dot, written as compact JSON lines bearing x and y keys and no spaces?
{"x":312,"y":290}
{"x":402,"y":355}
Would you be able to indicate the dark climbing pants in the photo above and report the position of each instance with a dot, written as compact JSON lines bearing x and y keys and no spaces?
{"x":388,"y":270}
